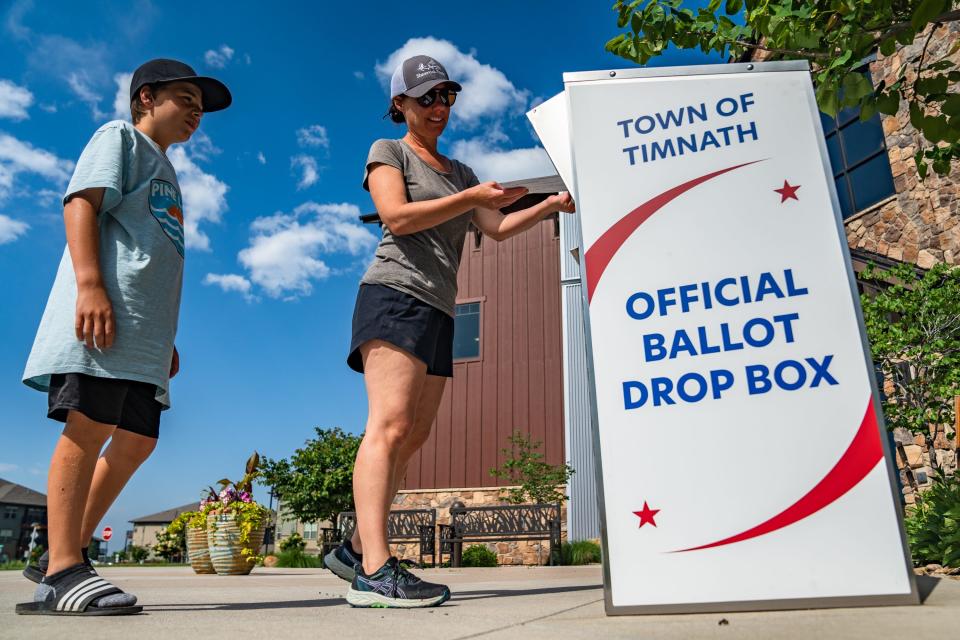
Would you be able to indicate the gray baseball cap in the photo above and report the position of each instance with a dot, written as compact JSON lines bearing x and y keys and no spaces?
{"x":417,"y":75}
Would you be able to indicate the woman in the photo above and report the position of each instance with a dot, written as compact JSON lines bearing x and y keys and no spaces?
{"x":403,"y":321}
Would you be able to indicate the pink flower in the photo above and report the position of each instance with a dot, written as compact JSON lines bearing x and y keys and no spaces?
{"x":245,"y":497}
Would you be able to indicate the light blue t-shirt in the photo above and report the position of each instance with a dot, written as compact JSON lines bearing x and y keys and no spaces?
{"x":141,"y":262}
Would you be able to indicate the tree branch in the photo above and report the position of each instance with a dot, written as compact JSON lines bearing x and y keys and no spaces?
{"x":949,"y":16}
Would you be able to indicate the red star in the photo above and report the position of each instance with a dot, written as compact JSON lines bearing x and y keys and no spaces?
{"x":646,"y":516}
{"x":787,"y":192}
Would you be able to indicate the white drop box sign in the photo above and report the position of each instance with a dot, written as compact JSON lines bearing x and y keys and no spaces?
{"x":742,"y":457}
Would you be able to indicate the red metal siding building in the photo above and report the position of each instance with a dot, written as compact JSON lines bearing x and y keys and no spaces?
{"x":516,"y":381}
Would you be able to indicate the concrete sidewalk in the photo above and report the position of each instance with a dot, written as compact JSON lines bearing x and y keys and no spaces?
{"x":508,"y":602}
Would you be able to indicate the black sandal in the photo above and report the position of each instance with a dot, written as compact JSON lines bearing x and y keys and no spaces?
{"x":36,"y":572}
{"x":75,"y":591}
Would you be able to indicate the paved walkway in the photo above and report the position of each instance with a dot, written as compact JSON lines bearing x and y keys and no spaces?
{"x":508,"y":602}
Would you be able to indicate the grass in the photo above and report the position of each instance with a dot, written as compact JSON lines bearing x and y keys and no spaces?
{"x":297,"y":559}
{"x":13,"y":565}
{"x":580,"y":552}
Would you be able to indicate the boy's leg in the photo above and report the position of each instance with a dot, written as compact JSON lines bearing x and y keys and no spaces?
{"x":426,"y":413}
{"x":68,"y":485}
{"x":122,"y":457}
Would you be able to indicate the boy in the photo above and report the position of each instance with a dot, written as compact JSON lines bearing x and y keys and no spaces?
{"x":104,"y":351}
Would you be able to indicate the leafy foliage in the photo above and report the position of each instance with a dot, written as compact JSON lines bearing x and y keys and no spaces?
{"x":580,"y":552}
{"x":293,"y":542}
{"x":478,"y":555}
{"x":172,"y":542}
{"x":933,"y":525}
{"x":914,"y":331}
{"x":835,"y":36}
{"x":538,"y":481}
{"x":297,"y":559}
{"x":138,"y":554}
{"x":316,"y":483}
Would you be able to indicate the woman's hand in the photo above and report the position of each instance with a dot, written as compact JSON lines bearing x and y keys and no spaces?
{"x":94,"y":318}
{"x":563,"y":201}
{"x":490,"y":195}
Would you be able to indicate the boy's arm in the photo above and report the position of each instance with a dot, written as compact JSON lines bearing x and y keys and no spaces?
{"x":94,"y":316}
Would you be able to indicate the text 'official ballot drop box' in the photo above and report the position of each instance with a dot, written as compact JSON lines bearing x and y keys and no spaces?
{"x":723,"y":318}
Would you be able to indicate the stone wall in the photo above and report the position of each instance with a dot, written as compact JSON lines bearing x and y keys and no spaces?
{"x":920,"y":223}
{"x":508,"y":553}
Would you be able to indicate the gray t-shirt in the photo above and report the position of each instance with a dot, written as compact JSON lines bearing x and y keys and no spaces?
{"x":422,"y":264}
{"x":141,"y":262}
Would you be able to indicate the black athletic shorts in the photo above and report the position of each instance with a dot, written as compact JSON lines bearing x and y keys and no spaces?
{"x":130,"y":405}
{"x":382,"y":313}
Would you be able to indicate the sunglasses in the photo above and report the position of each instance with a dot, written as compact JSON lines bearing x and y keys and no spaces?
{"x":447,"y":97}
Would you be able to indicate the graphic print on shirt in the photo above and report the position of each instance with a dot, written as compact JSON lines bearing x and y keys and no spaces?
{"x":167,"y":207}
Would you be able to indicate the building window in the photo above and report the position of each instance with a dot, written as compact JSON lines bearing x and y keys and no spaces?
{"x":466,"y":331}
{"x":858,"y":155}
{"x":10,"y":513}
{"x":6,"y":534}
{"x":309,"y":530}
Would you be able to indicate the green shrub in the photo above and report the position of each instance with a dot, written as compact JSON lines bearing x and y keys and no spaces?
{"x":293,"y":542}
{"x":580,"y":552}
{"x":13,"y":565}
{"x":297,"y":559}
{"x":139,"y":554}
{"x":478,"y":556}
{"x":933,"y":524}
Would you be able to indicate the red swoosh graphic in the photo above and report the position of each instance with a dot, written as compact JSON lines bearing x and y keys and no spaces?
{"x":601,"y":253}
{"x":858,"y":460}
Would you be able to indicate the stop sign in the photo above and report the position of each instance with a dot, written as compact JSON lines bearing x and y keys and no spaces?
{"x":107,"y":533}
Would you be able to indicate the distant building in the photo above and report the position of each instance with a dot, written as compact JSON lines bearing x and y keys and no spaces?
{"x":146,"y":528}
{"x":20,"y":509}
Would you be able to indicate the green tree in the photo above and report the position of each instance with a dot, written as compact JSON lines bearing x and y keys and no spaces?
{"x":835,"y":36}
{"x":538,"y":480}
{"x":172,"y":542}
{"x":914,"y":329}
{"x":139,"y":554}
{"x":316,"y":482}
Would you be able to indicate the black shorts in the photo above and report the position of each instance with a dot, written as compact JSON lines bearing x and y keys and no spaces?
{"x":386,"y":314}
{"x":130,"y":405}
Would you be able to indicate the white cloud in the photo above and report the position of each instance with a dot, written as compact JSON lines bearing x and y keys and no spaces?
{"x":11,"y":229}
{"x":218,"y":58}
{"x":492,"y":162}
{"x":81,"y":66}
{"x":287,"y":250}
{"x":486,"y":90}
{"x":6,"y":467}
{"x":121,"y":100}
{"x":14,"y":100}
{"x":309,"y":172}
{"x":230,"y":282}
{"x":49,"y":108}
{"x":80,"y":85}
{"x":18,"y":157}
{"x":262,"y":159}
{"x":313,"y":136}
{"x":247,"y":58}
{"x":204,"y":195}
{"x":359,"y":75}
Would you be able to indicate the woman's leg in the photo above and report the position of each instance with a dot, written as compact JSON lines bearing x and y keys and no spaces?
{"x":394,"y":380}
{"x":425,"y":414}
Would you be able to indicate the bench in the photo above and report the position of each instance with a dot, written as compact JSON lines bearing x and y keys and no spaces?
{"x":403,"y":525}
{"x":508,"y":523}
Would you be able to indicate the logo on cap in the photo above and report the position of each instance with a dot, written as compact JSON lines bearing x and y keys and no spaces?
{"x":425,"y":69}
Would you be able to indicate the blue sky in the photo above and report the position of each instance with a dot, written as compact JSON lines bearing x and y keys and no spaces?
{"x":271,"y":192}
